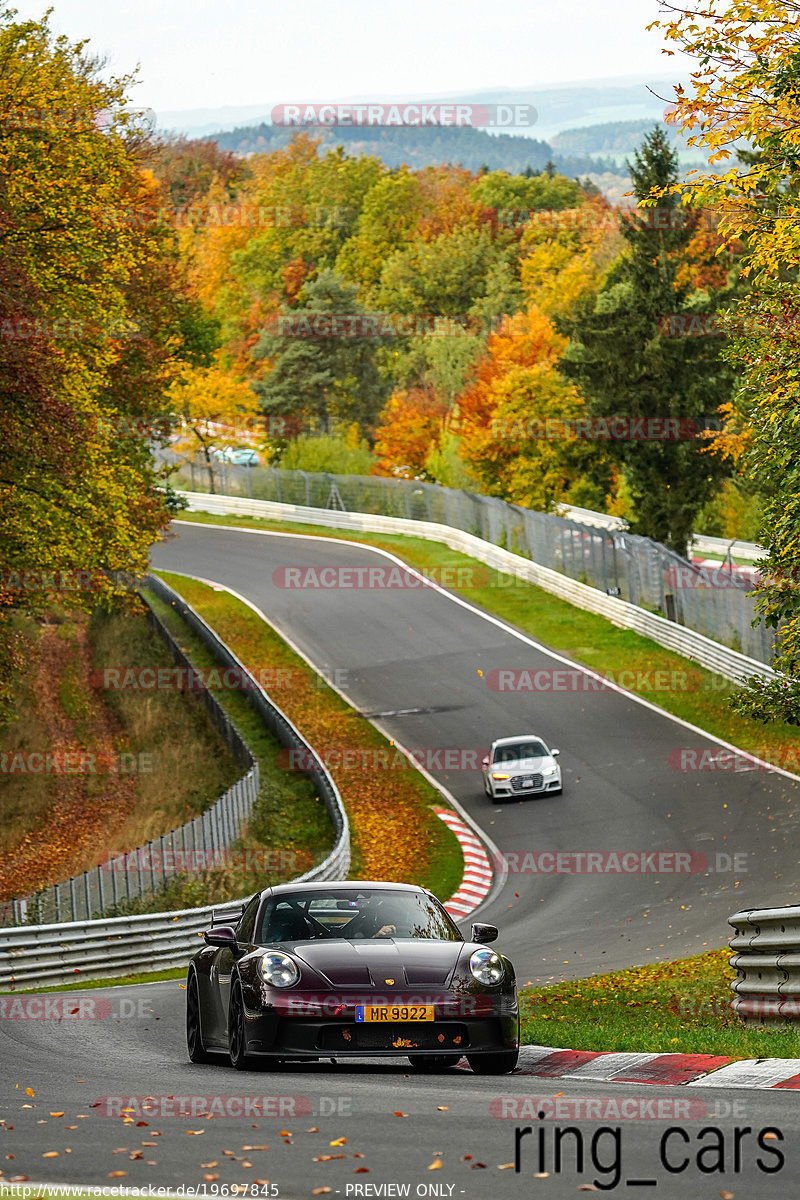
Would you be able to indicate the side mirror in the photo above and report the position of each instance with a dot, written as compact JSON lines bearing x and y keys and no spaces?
{"x":485,"y":760}
{"x":484,"y":933}
{"x":554,"y":753}
{"x":219,"y":936}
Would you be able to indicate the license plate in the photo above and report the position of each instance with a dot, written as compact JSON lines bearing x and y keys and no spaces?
{"x":394,"y":1012}
{"x":528,"y":782}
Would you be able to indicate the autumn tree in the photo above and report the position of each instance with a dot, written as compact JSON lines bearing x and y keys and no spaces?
{"x":744,"y":91}
{"x":409,"y":427}
{"x":88,"y":287}
{"x":516,"y":419}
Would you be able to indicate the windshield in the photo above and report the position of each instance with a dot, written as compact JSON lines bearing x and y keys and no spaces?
{"x":526,"y":749}
{"x":355,"y":915}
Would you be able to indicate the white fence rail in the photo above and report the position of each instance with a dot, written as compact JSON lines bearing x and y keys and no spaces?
{"x":706,"y":652}
{"x":766,"y":945}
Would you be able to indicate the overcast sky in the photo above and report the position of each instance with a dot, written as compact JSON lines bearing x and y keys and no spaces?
{"x":208,"y":53}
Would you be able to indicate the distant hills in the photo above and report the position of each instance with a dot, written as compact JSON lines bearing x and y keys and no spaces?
{"x":586,"y":130}
{"x":559,"y":106}
{"x":469,"y":148}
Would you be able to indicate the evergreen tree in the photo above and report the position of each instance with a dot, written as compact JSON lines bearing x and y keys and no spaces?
{"x":630,"y":353}
{"x":324,"y":380}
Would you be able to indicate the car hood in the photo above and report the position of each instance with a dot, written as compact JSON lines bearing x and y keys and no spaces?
{"x":524,"y":764}
{"x":411,"y":962}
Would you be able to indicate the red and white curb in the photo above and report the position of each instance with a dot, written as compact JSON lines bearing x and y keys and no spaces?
{"x":477,"y":869}
{"x":692,"y":1070}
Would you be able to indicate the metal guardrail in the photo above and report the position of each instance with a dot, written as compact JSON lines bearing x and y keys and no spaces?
{"x":337,"y":863}
{"x":704,"y":543}
{"x":46,"y":954}
{"x":589,"y":550}
{"x":766,"y":958}
{"x":703,"y":650}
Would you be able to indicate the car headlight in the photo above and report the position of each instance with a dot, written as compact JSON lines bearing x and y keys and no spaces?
{"x":486,"y":966}
{"x":496,"y":776}
{"x":278,"y":969}
{"x":550,"y":771}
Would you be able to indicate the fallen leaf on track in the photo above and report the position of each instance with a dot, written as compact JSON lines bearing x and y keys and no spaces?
{"x":436,"y":1165}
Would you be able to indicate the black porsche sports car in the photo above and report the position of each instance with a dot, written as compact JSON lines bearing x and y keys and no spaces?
{"x":336,"y":970}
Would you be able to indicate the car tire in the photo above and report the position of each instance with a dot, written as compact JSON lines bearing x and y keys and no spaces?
{"x":240,"y":1059}
{"x":500,"y":1063}
{"x":194,"y":1036}
{"x":431,"y":1063}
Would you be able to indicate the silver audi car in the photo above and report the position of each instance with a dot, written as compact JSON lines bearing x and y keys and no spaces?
{"x":516,"y":767}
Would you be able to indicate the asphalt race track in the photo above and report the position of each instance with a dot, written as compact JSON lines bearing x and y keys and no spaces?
{"x":408,"y":649}
{"x":416,"y":649}
{"x":91,"y":1070}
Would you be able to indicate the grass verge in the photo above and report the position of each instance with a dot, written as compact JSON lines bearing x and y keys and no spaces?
{"x":666,"y":679}
{"x":394,"y":832}
{"x":680,"y":1007}
{"x":92,"y":984}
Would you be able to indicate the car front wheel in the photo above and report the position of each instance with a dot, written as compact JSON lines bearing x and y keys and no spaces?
{"x":194,"y":1037}
{"x":500,"y":1063}
{"x":237,"y":1045}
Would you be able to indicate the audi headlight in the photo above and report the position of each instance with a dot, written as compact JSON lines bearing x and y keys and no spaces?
{"x":550,"y":771}
{"x":486,"y":966}
{"x":278,"y":969}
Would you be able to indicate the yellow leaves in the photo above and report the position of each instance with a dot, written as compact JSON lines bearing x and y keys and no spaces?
{"x":30,"y":1092}
{"x":436,"y":1165}
{"x":338,"y":1142}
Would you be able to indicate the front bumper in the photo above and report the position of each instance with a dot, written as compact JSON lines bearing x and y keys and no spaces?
{"x":329,"y":1029}
{"x":507,"y":787}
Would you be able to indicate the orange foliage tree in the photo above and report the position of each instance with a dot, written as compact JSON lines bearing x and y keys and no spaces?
{"x":409,"y":428}
{"x":516,"y":418}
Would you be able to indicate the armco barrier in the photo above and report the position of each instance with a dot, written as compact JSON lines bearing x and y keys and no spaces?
{"x":706,"y":652}
{"x":766,"y":945}
{"x":46,"y":954}
{"x":701,"y":542}
{"x":589,"y":549}
{"x":337,"y":864}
